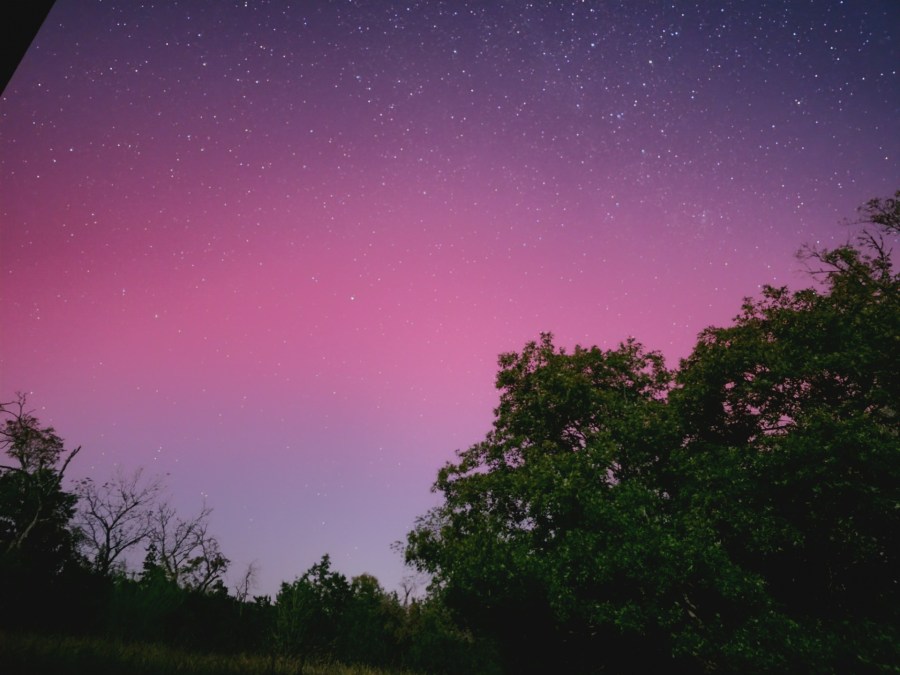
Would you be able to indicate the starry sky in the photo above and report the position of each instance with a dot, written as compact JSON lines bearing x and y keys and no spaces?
{"x":273,"y":249}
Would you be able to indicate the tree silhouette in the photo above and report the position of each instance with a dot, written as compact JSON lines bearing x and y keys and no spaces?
{"x":37,"y":546}
{"x":34,"y":509}
{"x":738,"y":514}
{"x":115,"y":517}
{"x":184,"y":549}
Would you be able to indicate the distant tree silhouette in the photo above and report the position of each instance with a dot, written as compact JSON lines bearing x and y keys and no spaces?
{"x":184,"y":550}
{"x":115,"y":517}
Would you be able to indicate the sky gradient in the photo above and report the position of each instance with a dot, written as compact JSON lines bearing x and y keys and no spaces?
{"x":273,"y":249}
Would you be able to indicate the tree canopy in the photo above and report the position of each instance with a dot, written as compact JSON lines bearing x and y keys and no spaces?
{"x":739,"y":513}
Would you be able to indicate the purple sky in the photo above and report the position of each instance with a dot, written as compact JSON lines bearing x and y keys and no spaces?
{"x":273,"y":249}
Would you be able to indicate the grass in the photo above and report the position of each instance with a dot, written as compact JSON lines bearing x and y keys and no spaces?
{"x":29,"y":654}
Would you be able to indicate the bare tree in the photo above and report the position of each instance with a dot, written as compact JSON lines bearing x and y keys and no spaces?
{"x":115,"y":516}
{"x":247,"y":582}
{"x":185,"y":551}
{"x":411,"y":586}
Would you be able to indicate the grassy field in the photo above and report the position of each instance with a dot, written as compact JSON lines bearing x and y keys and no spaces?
{"x":42,"y":655}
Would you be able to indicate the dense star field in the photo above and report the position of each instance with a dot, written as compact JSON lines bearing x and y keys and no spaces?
{"x":273,"y":249}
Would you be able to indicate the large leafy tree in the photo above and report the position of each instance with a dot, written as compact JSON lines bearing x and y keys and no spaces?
{"x":740,"y":514}
{"x":790,"y":454}
{"x":549,"y":525}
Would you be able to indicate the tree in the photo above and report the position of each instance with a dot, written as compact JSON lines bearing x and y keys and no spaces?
{"x":246,"y":582}
{"x":37,"y":549}
{"x":371,"y":624}
{"x":546,"y":525}
{"x":309,"y":611}
{"x":115,"y":517}
{"x":184,"y":550}
{"x":433,"y":643}
{"x":791,"y":455}
{"x":737,"y":515}
{"x":322,"y":616}
{"x":34,"y":509}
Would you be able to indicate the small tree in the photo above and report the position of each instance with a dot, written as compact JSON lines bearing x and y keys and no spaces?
{"x":309,"y":612}
{"x":371,"y":624}
{"x":184,"y":550}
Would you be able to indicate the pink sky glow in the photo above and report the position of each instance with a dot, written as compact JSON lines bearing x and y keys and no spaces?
{"x":275,"y":250}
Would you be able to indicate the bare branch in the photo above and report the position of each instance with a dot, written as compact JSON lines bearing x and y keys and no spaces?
{"x":247,"y":582}
{"x":115,"y":517}
{"x":187,"y":553}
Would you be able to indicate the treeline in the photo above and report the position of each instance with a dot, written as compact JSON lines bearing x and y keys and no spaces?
{"x":740,"y":513}
{"x":65,"y":566}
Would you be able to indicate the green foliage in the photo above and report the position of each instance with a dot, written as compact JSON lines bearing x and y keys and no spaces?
{"x":323,"y":616}
{"x":308,"y":612}
{"x":34,"y":509}
{"x":550,"y":524}
{"x":740,"y":514}
{"x":371,"y":624}
{"x":790,"y":455}
{"x":37,"y":548}
{"x":431,"y":642}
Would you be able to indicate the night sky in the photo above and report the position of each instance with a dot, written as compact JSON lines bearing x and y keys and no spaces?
{"x":273,"y":249}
